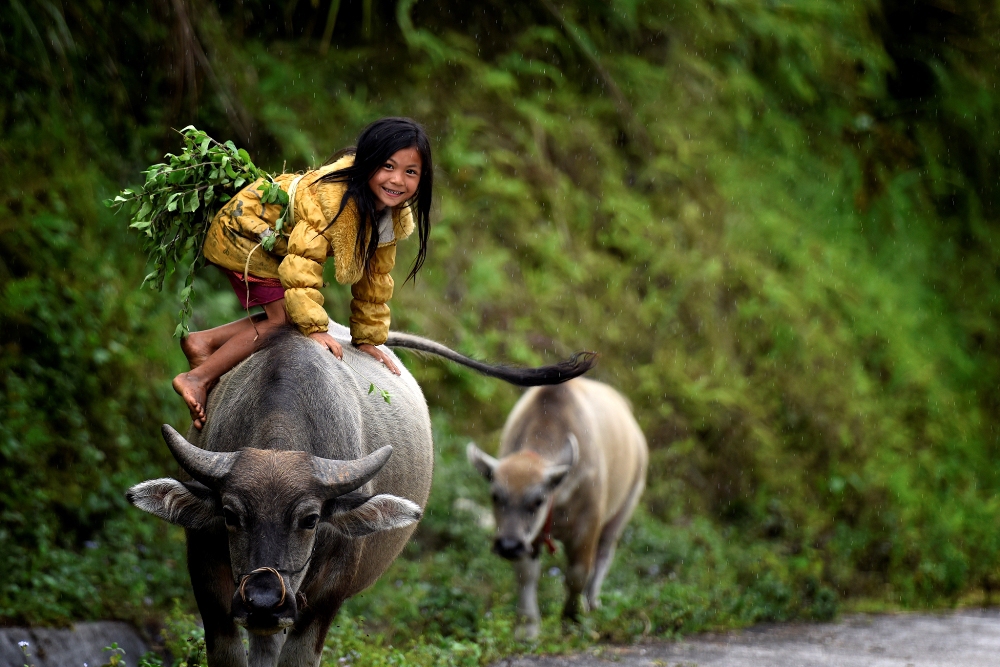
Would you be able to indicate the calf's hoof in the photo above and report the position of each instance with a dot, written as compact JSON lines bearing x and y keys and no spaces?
{"x":572,"y":613}
{"x":575,"y":607}
{"x":527,"y":631}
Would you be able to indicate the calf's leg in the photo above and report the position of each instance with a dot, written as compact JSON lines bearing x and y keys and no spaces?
{"x":607,"y":543}
{"x":527,"y":571}
{"x":602,"y":562}
{"x":580,"y":565}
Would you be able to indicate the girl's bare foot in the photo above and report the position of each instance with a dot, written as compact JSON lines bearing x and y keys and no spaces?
{"x":195,"y":350}
{"x":195,"y":393}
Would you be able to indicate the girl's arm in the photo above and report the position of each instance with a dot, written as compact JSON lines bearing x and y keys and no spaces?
{"x":301,"y":274}
{"x":370,"y":305}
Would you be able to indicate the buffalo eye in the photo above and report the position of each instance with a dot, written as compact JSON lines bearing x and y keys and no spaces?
{"x":232,"y":520}
{"x":497,"y":500}
{"x":535,"y":504}
{"x":309,"y":522}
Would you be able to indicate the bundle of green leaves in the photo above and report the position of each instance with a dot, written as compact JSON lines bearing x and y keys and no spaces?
{"x":173,"y":208}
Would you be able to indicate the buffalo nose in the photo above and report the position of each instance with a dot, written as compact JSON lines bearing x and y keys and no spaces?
{"x":508,"y":547}
{"x":264,"y":591}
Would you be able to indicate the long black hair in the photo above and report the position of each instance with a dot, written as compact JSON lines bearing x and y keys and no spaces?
{"x":376,"y":144}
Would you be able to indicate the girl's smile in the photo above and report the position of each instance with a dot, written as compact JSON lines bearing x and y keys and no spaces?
{"x":397,"y":180}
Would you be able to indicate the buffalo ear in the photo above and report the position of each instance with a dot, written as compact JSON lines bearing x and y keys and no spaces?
{"x":188,"y":504}
{"x":356,"y":515}
{"x":481,"y":461}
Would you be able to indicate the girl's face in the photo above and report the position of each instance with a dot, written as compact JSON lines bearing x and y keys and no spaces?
{"x":396,"y":181}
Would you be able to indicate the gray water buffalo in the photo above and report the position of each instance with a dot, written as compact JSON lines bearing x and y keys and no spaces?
{"x":572,"y":467}
{"x":304,"y":488}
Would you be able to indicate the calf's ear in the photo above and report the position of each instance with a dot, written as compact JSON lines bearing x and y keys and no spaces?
{"x":554,"y":475}
{"x":481,"y":461}
{"x":357,"y":515}
{"x":189,"y":504}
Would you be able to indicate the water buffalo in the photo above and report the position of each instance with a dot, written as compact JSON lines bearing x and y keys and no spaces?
{"x":304,"y":488}
{"x":572,"y":467}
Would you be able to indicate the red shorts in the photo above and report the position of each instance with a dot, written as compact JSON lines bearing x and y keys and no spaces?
{"x":255,"y":291}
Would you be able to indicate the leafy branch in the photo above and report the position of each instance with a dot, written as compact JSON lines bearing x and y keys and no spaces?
{"x":174,"y":207}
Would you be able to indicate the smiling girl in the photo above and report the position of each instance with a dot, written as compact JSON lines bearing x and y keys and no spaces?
{"x":354,"y":209}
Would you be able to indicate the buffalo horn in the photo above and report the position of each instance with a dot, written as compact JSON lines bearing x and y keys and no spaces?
{"x":342,"y":477}
{"x":207,"y":467}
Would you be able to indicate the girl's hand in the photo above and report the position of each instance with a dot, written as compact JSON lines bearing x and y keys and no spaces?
{"x":379,"y":355}
{"x":327,"y":341}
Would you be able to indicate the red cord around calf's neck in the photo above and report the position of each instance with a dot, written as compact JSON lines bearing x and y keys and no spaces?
{"x":547,"y":530}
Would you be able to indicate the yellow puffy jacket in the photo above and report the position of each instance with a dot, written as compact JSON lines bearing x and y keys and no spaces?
{"x":297,"y":261}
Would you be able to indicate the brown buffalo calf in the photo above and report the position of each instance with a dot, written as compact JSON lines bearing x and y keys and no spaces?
{"x":572,"y":467}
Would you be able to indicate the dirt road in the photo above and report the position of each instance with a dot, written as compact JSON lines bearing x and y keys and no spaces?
{"x":968,"y":638}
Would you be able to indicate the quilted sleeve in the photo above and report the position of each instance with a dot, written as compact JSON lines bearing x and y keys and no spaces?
{"x":370,"y":305}
{"x":301,"y":274}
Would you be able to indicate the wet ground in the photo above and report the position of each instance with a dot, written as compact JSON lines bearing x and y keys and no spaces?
{"x":967,"y":638}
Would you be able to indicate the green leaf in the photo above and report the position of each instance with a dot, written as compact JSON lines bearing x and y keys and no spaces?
{"x":205,"y":144}
{"x":385,"y":395}
{"x":191,"y":202}
{"x":371,"y":388}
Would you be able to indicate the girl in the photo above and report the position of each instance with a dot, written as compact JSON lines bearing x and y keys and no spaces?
{"x":354,"y":209}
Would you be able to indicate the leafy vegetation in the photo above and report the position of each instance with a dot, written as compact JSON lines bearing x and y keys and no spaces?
{"x":173,"y":208}
{"x":777,"y":222}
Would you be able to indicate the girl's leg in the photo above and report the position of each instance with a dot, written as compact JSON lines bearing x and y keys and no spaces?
{"x":193,"y":386}
{"x":200,"y":345}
